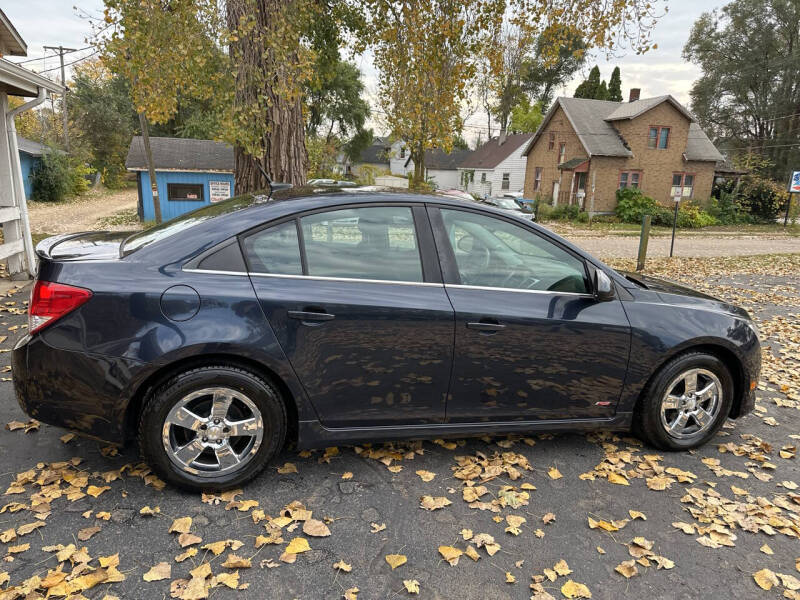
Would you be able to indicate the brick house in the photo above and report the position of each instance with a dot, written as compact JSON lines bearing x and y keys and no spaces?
{"x":585,"y":150}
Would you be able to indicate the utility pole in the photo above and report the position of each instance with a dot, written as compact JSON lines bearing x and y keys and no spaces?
{"x":61,"y":52}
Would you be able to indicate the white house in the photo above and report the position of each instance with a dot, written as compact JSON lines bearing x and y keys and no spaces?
{"x":382,"y":155}
{"x":398,"y":155}
{"x":17,"y":246}
{"x":441,"y":168}
{"x":496,"y":167}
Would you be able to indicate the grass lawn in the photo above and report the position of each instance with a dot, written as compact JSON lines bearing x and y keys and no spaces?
{"x":634,"y":229}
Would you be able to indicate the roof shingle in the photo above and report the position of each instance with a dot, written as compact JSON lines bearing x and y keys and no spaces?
{"x":181,"y":154}
{"x":492,"y":153}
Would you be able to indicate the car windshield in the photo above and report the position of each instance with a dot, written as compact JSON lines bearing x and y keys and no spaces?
{"x":507,"y":203}
{"x":169,"y":228}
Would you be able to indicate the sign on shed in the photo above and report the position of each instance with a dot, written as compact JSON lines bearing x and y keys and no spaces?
{"x":219,"y":190}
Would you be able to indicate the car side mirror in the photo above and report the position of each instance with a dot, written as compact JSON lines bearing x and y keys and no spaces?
{"x":603,"y":286}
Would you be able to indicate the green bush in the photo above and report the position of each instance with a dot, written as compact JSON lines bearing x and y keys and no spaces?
{"x":727,"y":209}
{"x":632,"y":205}
{"x":565,"y":212}
{"x":57,"y":177}
{"x":583,"y":217}
{"x":691,"y":216}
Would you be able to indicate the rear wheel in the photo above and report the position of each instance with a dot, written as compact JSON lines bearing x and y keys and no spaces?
{"x":212,"y":427}
{"x":686,"y":403}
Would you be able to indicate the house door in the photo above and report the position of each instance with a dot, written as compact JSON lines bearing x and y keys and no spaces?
{"x":580,"y":188}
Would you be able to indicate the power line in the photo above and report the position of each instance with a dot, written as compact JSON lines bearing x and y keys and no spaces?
{"x":22,"y":62}
{"x":70,"y":63}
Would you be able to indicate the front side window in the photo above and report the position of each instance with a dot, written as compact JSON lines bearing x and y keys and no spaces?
{"x":183,"y":192}
{"x":492,"y":252}
{"x":537,"y":179}
{"x":506,"y":181}
{"x":562,"y":153}
{"x":551,"y":144}
{"x":483,"y":177}
{"x":362,"y":243}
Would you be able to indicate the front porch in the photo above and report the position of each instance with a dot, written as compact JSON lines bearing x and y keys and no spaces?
{"x":572,"y":183}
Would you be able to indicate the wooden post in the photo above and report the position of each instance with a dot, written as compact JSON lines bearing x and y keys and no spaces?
{"x":64,"y":115}
{"x":150,"y":166}
{"x":644,"y":237}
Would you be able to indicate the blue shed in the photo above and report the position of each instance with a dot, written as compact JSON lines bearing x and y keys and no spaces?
{"x":30,"y":155}
{"x":189,"y":174}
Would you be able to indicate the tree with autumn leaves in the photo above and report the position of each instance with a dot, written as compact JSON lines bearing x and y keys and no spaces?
{"x":256,"y":60}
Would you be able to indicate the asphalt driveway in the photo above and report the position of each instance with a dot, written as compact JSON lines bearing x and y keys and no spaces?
{"x":735,"y":498}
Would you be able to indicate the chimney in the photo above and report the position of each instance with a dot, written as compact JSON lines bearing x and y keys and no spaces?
{"x":634,"y":96}
{"x":502,"y":138}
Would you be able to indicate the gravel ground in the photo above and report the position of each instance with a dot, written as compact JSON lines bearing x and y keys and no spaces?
{"x":353,"y":491}
{"x":84,"y":213}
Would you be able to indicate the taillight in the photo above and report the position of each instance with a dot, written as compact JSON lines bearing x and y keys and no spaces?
{"x":51,"y":301}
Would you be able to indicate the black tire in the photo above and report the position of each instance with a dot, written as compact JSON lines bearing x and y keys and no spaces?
{"x":647,"y":418}
{"x":159,"y":403}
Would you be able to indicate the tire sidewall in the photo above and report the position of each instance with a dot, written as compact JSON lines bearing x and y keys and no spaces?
{"x":651,"y":417}
{"x":260,"y":392}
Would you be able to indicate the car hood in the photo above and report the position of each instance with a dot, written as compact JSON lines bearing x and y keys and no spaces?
{"x":673,"y":293}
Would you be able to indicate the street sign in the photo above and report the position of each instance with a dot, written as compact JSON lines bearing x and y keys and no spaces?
{"x":794,"y":183}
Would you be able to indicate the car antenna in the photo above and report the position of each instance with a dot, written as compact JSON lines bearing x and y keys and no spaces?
{"x":273,"y":186}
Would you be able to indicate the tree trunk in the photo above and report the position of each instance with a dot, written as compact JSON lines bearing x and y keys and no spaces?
{"x":418,"y":156}
{"x":282,"y":147}
{"x":151,"y":168}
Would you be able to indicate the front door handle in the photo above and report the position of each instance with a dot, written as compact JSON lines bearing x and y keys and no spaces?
{"x":486,"y":325}
{"x":311,"y":316}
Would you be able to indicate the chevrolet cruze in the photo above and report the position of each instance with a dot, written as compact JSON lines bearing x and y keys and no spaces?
{"x":334,"y":317}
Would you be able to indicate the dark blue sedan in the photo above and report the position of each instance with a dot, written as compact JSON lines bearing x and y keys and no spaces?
{"x":339,"y":317}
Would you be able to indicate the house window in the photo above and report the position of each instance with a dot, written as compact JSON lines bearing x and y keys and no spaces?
{"x":483,"y":177}
{"x":183,"y":192}
{"x":658,"y":138}
{"x":552,"y":143}
{"x":562,"y":152}
{"x":682,"y":185}
{"x":403,"y":152}
{"x":537,"y":180}
{"x":629,"y":179}
{"x":506,"y":181}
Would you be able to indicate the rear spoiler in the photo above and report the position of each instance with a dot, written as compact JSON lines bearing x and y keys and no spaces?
{"x":44,"y":249}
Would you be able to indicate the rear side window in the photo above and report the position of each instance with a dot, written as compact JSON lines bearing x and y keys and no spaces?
{"x":363,"y":243}
{"x":275,"y":250}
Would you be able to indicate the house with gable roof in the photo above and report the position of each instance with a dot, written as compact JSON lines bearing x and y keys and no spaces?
{"x":585,"y":150}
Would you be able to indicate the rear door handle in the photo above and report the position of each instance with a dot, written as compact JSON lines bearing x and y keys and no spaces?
{"x":486,"y":325}
{"x":311,"y":315}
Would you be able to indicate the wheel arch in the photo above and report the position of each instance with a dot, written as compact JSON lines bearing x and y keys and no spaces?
{"x":134,"y":407}
{"x":729,"y":358}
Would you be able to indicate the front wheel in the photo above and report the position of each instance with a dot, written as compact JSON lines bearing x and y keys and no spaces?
{"x":686,"y":403}
{"x":212,"y":427}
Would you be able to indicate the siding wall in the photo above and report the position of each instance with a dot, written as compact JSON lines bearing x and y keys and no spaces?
{"x":445,"y":179}
{"x":514,"y":165}
{"x":28,"y":164}
{"x":172,"y":209}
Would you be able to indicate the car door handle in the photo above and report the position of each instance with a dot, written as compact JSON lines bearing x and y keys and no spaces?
{"x":486,"y":326}
{"x":310,"y":315}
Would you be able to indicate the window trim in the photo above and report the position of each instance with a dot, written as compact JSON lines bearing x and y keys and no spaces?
{"x":450,"y":275}
{"x":551,"y":143}
{"x":505,"y":181}
{"x":562,"y":152}
{"x":629,"y":173}
{"x":202,"y":187}
{"x":538,"y":175}
{"x":431,"y":269}
{"x":658,"y":129}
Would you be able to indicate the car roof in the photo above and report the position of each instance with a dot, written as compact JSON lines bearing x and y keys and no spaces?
{"x":219,"y":222}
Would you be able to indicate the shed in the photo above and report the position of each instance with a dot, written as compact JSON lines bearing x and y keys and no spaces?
{"x":30,"y":155}
{"x":189,"y":174}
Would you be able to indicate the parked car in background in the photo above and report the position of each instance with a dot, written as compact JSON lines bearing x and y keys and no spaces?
{"x":331,"y":183}
{"x":347,"y":316}
{"x":454,"y":193}
{"x":510,"y":206}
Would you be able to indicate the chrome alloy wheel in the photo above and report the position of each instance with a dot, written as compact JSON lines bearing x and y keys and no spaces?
{"x":691,"y":404}
{"x":212,"y":431}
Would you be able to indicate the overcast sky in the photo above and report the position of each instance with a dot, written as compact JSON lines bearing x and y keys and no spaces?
{"x":661,"y":71}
